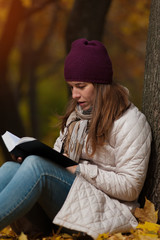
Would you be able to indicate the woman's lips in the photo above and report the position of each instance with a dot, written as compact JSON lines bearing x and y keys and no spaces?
{"x":81,"y":103}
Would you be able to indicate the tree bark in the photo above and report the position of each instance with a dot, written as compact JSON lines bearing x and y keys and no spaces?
{"x":87,"y":20}
{"x":151,"y":104}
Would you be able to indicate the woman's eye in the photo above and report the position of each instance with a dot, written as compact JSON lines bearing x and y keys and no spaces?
{"x":78,"y":87}
{"x":81,"y":87}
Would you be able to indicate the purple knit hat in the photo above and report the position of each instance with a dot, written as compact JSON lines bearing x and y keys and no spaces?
{"x":88,"y":61}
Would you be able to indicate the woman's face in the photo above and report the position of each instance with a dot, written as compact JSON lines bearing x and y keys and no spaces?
{"x":83,"y":93}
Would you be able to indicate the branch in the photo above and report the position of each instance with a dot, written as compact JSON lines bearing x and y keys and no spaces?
{"x":49,"y":33}
{"x":39,"y":8}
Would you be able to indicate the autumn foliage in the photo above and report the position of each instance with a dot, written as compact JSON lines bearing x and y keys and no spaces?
{"x":33,"y":48}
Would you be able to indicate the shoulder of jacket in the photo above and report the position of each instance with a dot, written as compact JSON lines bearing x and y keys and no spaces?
{"x":132,"y":114}
{"x":132,"y":118}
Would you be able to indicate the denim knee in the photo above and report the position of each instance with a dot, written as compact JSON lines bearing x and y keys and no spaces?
{"x":33,"y":163}
{"x":10,"y":165}
{"x":7,"y":171}
{"x":31,"y":160}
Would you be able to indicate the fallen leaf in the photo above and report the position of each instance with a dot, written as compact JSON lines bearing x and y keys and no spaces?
{"x":7,"y":233}
{"x":63,"y":236}
{"x":103,"y":236}
{"x":147,"y":214}
{"x":22,"y":237}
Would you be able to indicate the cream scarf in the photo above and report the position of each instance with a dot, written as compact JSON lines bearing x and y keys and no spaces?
{"x":77,"y":127}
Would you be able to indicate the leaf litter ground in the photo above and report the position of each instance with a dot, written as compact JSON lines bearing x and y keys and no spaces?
{"x":147,"y":229}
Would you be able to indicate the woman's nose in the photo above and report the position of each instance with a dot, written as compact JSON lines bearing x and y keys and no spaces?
{"x":75,"y":94}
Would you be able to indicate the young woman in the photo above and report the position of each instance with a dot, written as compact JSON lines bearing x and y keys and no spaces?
{"x":106,"y":135}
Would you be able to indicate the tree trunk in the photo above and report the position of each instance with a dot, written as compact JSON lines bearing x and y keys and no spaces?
{"x":151,"y":103}
{"x":8,"y":109}
{"x":87,"y":20}
{"x":10,"y":119}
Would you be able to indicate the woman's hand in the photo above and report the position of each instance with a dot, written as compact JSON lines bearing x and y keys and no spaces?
{"x":16,"y":159}
{"x":72,"y":169}
{"x":65,"y":154}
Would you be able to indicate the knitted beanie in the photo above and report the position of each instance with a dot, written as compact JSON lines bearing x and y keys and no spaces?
{"x":88,"y":61}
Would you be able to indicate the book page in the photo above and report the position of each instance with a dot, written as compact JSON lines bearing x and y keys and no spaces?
{"x":12,"y":140}
{"x":26,"y":146}
{"x":26,"y":139}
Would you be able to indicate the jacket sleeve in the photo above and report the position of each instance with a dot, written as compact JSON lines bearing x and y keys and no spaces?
{"x":132,"y":151}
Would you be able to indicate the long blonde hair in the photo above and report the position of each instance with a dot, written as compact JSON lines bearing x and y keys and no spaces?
{"x":110,"y":102}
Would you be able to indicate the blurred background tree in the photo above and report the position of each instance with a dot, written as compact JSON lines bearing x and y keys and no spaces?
{"x":34,"y":39}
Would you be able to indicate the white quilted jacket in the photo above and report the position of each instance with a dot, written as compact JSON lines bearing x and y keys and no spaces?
{"x":103,"y":196}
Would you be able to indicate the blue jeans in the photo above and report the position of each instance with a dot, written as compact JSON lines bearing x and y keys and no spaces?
{"x":35,"y":180}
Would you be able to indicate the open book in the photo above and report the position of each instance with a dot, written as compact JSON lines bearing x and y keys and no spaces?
{"x":25,"y":146}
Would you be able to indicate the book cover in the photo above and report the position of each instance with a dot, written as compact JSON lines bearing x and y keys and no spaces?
{"x":23,"y":147}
